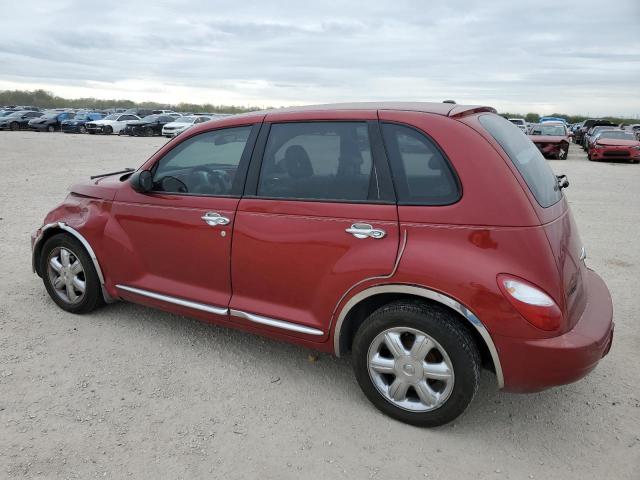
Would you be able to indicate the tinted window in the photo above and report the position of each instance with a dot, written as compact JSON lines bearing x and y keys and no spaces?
{"x":317,"y":160}
{"x":205,"y":164}
{"x":526,"y":157}
{"x":422,"y":176}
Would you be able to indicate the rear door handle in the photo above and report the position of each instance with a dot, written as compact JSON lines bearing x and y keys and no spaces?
{"x":364,"y":230}
{"x":214,"y":219}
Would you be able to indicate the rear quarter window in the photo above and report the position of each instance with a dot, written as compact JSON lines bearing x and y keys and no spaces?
{"x":526,"y":157}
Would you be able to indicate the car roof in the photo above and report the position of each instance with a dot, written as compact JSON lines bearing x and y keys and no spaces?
{"x":446,"y":109}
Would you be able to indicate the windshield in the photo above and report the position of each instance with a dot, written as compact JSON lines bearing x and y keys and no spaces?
{"x":81,"y":116}
{"x":150,"y":118}
{"x":617,"y":134}
{"x":113,"y":116}
{"x":552,"y":130}
{"x":526,"y":157}
{"x":185,"y":120}
{"x":515,"y":121}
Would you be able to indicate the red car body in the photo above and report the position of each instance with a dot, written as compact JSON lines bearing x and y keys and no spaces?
{"x":287,"y":270}
{"x":614,"y":149}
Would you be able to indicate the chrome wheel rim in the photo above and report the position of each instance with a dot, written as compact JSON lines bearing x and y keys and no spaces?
{"x":410,"y":369}
{"x":66,"y":275}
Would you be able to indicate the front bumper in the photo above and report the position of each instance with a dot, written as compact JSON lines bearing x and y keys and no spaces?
{"x":531,"y":365}
{"x":615,"y":153}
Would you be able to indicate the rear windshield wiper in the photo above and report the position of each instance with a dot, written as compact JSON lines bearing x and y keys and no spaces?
{"x":562,"y":181}
{"x":126,"y":170}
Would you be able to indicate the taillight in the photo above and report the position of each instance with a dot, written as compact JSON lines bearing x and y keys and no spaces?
{"x":534,"y":305}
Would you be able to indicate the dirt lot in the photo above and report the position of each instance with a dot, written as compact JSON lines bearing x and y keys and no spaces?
{"x":129,"y":392}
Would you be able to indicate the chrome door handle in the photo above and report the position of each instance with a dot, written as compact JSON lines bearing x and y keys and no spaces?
{"x":214,"y":219}
{"x":364,"y":230}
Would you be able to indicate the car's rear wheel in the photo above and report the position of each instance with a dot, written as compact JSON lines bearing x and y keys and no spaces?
{"x":108,"y":130}
{"x":14,"y":126}
{"x":148,"y":132}
{"x":51,"y":128}
{"x":69,"y":275}
{"x":416,"y":363}
{"x":82,"y":129}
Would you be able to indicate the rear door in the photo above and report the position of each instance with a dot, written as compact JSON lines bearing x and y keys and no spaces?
{"x":318,"y":216}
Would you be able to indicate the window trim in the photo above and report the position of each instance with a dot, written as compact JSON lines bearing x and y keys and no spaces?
{"x":241,"y":172}
{"x":448,"y":163}
{"x":379,"y":166}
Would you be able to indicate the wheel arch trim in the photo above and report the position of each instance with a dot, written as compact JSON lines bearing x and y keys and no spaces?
{"x":36,"y":249}
{"x":431,"y":295}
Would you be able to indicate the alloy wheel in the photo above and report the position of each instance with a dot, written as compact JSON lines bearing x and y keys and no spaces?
{"x":66,"y":275}
{"x":410,"y":369}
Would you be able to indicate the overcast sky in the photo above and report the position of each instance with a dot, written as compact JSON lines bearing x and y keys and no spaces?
{"x":516,"y":55}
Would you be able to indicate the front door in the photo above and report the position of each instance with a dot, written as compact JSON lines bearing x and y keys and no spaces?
{"x":176,"y":240}
{"x":314,"y":223}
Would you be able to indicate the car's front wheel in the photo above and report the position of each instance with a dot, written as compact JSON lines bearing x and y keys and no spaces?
{"x":108,"y":130}
{"x":14,"y":126}
{"x":51,"y":128}
{"x":69,"y":275}
{"x":416,"y":363}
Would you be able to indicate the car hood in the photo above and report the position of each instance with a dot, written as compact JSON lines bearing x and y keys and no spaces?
{"x":547,"y":138}
{"x":104,"y":188}
{"x":618,"y":142}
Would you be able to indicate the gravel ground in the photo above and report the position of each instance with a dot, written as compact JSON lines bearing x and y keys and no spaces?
{"x":129,"y":391}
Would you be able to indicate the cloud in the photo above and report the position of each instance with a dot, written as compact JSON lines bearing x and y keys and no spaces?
{"x":576,"y":57}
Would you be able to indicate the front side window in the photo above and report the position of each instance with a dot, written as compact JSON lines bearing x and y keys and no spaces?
{"x":421,"y":174}
{"x":526,"y":157}
{"x":317,"y":160}
{"x":205,"y":164}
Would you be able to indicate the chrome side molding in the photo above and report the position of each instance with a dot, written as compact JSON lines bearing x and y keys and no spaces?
{"x":431,"y":295}
{"x":175,"y":300}
{"x":272,"y":322}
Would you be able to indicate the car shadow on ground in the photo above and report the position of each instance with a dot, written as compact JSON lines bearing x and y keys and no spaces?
{"x":490,"y":410}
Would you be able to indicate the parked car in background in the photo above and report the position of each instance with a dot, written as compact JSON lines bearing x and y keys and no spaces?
{"x":181,"y":124}
{"x":148,"y":126}
{"x":552,"y":119}
{"x":49,"y":122}
{"x":113,"y":123}
{"x":78,"y":123}
{"x":552,"y":139}
{"x":520,"y":123}
{"x":586,"y":125}
{"x":323,"y":226}
{"x":614,"y":145}
{"x":18,"y":120}
{"x":587,"y":139}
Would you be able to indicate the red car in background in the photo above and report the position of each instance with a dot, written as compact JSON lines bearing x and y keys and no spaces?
{"x":429,"y":240}
{"x":615,"y":145}
{"x":552,"y":139}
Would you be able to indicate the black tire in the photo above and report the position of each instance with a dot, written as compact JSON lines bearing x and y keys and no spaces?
{"x":82,"y":129}
{"x":443,"y":327}
{"x":107,"y":130}
{"x":91,"y":132}
{"x":51,"y":128}
{"x":92,"y":297}
{"x":14,"y":126}
{"x":148,"y":132}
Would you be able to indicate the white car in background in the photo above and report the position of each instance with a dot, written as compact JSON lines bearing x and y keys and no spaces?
{"x":183,"y":123}
{"x":520,"y":123}
{"x":111,"y":123}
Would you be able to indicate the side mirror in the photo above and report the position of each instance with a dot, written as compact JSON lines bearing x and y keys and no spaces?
{"x":142,"y":181}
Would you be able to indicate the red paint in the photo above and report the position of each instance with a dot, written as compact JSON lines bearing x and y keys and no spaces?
{"x":609,"y":149}
{"x":293,"y":260}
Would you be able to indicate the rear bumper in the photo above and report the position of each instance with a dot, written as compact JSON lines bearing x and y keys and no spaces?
{"x":534,"y":365}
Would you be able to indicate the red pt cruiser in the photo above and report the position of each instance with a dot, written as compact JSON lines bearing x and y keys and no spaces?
{"x":429,"y":240}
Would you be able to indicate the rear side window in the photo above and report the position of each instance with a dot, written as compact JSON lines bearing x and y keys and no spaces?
{"x":526,"y":157}
{"x":421,"y":174}
{"x":317,"y":160}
